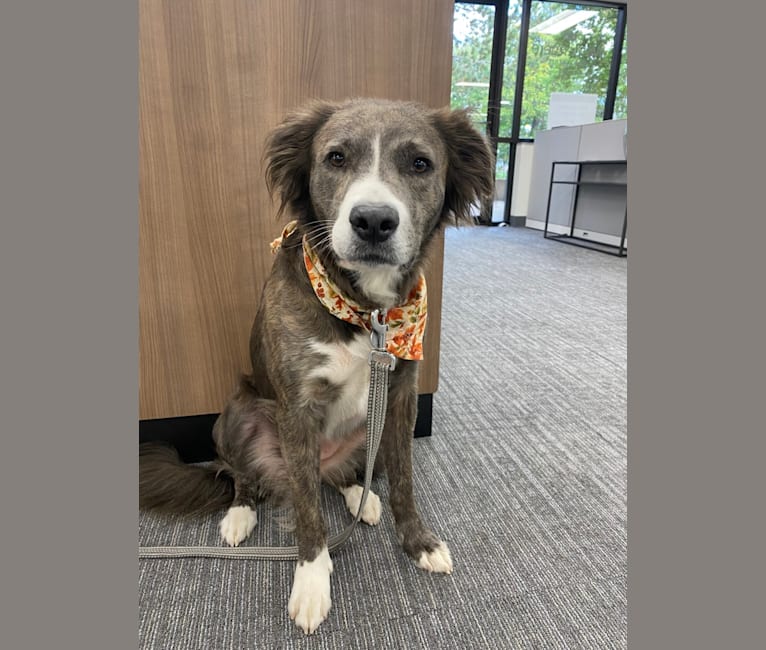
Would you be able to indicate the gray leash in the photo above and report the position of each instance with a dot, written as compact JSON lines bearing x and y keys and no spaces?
{"x":381,"y":363}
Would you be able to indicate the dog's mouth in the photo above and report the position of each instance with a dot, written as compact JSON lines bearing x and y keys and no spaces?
{"x":373,"y":258}
{"x":365,"y":259}
{"x":362,"y":255}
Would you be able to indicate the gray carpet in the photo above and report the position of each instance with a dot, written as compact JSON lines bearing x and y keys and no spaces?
{"x":524,"y":477}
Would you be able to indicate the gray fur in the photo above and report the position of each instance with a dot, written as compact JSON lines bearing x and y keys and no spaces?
{"x":280,"y":401}
{"x":166,"y":484}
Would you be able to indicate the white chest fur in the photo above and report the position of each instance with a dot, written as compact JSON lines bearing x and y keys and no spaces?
{"x":347,"y":366}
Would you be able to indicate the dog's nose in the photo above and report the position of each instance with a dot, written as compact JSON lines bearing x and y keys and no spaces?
{"x":374,"y":223}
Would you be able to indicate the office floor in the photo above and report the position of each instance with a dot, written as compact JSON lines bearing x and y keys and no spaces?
{"x":524,"y":477}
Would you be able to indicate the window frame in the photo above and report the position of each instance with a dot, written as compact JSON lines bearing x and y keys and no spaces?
{"x":496,"y":76}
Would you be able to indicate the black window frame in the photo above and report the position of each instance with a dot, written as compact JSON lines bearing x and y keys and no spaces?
{"x":497,"y":62}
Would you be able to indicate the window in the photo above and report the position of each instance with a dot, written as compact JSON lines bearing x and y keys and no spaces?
{"x":569,"y":51}
{"x":501,"y":181}
{"x":621,"y":99}
{"x":472,"y":32}
{"x":510,"y":66}
{"x":564,"y":47}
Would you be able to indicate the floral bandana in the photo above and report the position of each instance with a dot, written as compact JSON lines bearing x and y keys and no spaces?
{"x":406,"y":323}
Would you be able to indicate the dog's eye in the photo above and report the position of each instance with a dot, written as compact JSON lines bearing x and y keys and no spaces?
{"x":336,"y":158}
{"x":421,"y":165}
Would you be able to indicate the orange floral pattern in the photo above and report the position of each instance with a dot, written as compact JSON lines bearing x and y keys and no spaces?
{"x":406,"y":322}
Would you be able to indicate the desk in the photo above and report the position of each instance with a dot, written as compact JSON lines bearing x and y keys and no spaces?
{"x":596,"y":179}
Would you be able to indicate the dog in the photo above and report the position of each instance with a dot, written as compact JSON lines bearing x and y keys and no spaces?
{"x":369,"y":185}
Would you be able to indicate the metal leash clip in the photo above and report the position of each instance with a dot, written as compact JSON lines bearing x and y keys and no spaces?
{"x":378,"y":354}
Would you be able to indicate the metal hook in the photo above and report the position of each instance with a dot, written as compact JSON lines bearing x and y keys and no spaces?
{"x":379,"y":329}
{"x":378,"y":355}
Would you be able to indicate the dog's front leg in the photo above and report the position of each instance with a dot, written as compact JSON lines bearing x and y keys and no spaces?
{"x":422,"y":545}
{"x":310,"y":597}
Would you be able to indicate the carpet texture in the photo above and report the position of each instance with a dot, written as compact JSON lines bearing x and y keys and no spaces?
{"x":524,"y":477}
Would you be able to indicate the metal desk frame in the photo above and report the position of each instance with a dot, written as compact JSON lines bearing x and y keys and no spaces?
{"x":570,"y":238}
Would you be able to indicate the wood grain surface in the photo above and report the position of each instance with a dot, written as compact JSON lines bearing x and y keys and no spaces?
{"x":214,"y":79}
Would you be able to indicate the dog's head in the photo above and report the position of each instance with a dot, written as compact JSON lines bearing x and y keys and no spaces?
{"x":371,"y":181}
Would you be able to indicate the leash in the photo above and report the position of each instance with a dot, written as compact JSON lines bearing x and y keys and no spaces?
{"x":381,"y":363}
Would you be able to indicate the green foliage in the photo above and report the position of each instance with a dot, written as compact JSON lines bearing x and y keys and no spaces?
{"x":621,"y":100}
{"x":575,"y":61}
{"x":471,"y":59}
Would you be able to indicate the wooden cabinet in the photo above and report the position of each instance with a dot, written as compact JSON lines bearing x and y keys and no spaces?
{"x":214,"y":79}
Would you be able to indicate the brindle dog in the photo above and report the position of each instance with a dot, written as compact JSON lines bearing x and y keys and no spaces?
{"x":371,"y":183}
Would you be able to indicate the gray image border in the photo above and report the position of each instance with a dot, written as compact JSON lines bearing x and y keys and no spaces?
{"x":69,"y":324}
{"x":695,"y":343}
{"x":69,"y":278}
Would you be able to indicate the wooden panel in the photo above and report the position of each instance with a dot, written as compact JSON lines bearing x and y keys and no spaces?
{"x":215,"y":77}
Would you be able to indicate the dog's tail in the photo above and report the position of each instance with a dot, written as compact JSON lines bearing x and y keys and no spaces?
{"x":167,"y":484}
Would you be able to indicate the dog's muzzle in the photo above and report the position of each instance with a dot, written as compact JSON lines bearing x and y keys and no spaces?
{"x":374,"y":223}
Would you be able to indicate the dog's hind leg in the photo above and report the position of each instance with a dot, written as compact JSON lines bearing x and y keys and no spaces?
{"x":352,"y":493}
{"x":241,"y":517}
{"x":344,"y":475}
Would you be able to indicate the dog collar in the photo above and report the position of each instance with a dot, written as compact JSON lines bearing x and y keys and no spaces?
{"x":406,"y":322}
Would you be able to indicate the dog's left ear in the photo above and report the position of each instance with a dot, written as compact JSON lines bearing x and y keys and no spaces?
{"x":470,"y":165}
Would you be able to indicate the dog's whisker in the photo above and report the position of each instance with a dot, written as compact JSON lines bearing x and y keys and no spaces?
{"x":318,"y":230}
{"x":319,"y":227}
{"x":315,"y":232}
{"x":321,"y":245}
{"x":321,"y":223}
{"x":318,"y":234}
{"x":318,"y":239}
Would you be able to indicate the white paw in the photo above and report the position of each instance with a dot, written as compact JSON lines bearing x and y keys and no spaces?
{"x":437,"y":561}
{"x":237,"y":524}
{"x":310,"y":598}
{"x":353,"y":496}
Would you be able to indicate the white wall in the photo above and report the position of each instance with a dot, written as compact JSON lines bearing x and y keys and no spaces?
{"x":522,"y":179}
{"x":525,"y":181}
{"x":599,"y":209}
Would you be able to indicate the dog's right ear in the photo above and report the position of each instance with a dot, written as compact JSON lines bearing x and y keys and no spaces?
{"x":470,"y":166}
{"x":288,"y":152}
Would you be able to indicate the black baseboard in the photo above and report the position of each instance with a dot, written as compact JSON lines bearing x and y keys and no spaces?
{"x":193,"y":435}
{"x":514,"y":222}
{"x":423,"y":423}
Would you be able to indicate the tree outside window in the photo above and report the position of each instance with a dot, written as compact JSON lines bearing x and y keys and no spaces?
{"x":575,"y":60}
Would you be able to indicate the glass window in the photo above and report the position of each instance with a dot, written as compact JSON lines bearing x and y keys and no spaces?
{"x":501,"y":180}
{"x":569,"y":51}
{"x":472,"y":31}
{"x":621,"y":99}
{"x":510,"y":65}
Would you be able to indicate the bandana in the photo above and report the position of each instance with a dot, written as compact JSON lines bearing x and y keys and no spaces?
{"x":406,"y":322}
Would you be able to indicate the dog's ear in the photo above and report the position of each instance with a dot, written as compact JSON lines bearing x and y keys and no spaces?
{"x":470,"y":165}
{"x":288,"y":155}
